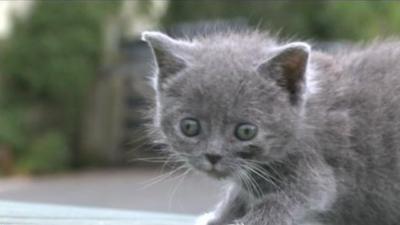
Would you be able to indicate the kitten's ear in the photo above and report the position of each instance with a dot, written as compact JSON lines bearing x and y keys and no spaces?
{"x":168,"y":54}
{"x":288,"y":68}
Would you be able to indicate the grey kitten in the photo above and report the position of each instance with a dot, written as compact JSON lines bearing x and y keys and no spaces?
{"x":303,"y":137}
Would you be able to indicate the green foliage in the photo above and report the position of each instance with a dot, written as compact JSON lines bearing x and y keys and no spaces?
{"x":363,"y":20}
{"x":47,"y":153}
{"x":10,"y":128}
{"x":47,"y":67}
{"x":321,"y":20}
{"x":57,"y":49}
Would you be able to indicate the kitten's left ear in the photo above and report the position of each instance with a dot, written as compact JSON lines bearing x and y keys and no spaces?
{"x":288,"y":68}
{"x":169,"y":55}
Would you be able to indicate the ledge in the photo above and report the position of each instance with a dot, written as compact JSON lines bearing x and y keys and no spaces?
{"x":43,"y":214}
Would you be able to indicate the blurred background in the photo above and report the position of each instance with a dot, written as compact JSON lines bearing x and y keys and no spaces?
{"x":73,"y":84}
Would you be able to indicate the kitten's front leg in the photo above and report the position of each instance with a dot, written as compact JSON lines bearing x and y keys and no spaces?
{"x":270,"y":212}
{"x":313,"y":191}
{"x":231,"y":208}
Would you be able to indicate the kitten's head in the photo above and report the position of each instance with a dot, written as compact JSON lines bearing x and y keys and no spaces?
{"x":227,"y":101}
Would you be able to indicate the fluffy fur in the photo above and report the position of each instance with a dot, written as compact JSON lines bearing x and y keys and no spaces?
{"x":327,"y":147}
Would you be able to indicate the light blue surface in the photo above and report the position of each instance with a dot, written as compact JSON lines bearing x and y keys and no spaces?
{"x":16,"y":213}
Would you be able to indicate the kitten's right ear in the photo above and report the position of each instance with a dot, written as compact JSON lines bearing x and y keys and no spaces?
{"x":288,"y":68}
{"x":168,"y":54}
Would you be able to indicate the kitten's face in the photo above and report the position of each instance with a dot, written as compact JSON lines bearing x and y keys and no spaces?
{"x":219,"y":121}
{"x":227,"y":103}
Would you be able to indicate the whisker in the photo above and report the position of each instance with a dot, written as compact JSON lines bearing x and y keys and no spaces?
{"x":179,"y":183}
{"x":260,"y":171}
{"x":161,"y":178}
{"x":149,"y":159}
{"x":173,"y":158}
{"x":250,"y":184}
{"x":244,"y":180}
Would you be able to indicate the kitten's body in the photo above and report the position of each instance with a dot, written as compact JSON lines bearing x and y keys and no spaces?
{"x":328,"y":143}
{"x":356,"y":119}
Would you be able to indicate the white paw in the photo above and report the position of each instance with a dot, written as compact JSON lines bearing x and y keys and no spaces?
{"x":205,"y":218}
{"x":237,"y":223}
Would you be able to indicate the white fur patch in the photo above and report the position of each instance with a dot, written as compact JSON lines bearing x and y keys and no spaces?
{"x":306,"y":47}
{"x":311,"y":86}
{"x":311,"y":81}
{"x":237,"y":223}
{"x":205,"y":218}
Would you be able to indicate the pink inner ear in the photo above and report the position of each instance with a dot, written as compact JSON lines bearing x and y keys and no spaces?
{"x":288,"y":69}
{"x":296,"y":62}
{"x":294,"y":67}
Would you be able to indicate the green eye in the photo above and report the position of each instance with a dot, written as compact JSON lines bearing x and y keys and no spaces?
{"x":190,"y":127}
{"x":245,"y":132}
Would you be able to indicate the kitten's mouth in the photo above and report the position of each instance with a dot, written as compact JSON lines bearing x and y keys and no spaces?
{"x":216,"y":173}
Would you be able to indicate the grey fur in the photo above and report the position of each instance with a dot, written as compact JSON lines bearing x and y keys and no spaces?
{"x":331,"y":157}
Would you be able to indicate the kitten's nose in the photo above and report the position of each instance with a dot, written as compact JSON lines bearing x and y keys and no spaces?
{"x":213,"y":158}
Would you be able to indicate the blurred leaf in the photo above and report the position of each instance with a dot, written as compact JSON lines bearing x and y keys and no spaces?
{"x":47,"y":67}
{"x":11,"y":132}
{"x":320,"y":20}
{"x":47,"y":153}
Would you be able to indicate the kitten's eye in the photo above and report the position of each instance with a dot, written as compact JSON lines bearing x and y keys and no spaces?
{"x":190,"y":127}
{"x":246,"y":131}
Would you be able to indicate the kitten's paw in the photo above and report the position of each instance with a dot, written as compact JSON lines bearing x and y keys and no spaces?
{"x":205,"y":219}
{"x":237,"y":223}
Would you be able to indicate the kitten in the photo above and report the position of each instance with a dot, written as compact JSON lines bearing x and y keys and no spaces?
{"x":304,"y":137}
